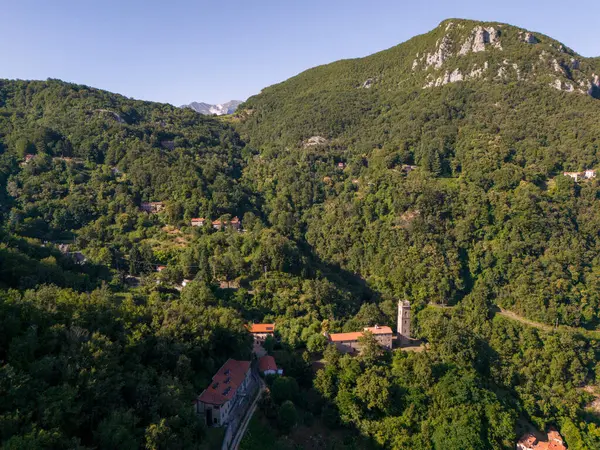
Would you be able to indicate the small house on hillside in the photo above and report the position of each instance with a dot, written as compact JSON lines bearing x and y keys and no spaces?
{"x":29,"y":157}
{"x":234,"y":224}
{"x":268,"y":366}
{"x":152,"y":207}
{"x":577,"y":176}
{"x":198,"y":222}
{"x":260,"y":331}
{"x":553,"y":441}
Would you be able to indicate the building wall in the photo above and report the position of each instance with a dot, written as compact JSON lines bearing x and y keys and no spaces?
{"x":348,"y":346}
{"x":260,"y":337}
{"x":385,"y":340}
{"x":222,"y":412}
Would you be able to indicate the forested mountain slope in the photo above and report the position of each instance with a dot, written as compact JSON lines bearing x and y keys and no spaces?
{"x":97,"y":348}
{"x":338,"y":224}
{"x":478,"y":108}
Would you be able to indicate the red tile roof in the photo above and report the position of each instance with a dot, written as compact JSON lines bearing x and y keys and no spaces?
{"x":198,"y":219}
{"x":379,"y":330}
{"x":262,"y":328}
{"x":338,"y":337}
{"x":554,"y":441}
{"x":353,"y":336}
{"x":225,"y":382}
{"x":267,"y":362}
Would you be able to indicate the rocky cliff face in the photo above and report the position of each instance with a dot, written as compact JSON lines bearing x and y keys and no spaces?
{"x":467,"y":50}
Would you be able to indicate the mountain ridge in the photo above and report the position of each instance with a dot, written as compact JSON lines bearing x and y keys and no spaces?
{"x":475,"y":55}
{"x":219,"y":109}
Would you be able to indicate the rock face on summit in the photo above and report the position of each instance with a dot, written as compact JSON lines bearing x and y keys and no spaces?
{"x":480,"y":36}
{"x":467,"y":50}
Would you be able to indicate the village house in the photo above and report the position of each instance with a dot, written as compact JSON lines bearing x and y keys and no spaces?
{"x":553,"y":441}
{"x":198,"y":222}
{"x":341,"y":165}
{"x":268,"y":366}
{"x":222,"y":224}
{"x":235,"y":224}
{"x":586,"y":174}
{"x":160,"y":268}
{"x":348,"y":342}
{"x":260,"y":331}
{"x":224,"y":395}
{"x":29,"y":157}
{"x":152,"y":207}
{"x":407,"y":168}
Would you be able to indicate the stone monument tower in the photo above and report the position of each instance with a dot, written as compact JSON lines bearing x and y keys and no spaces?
{"x":403,"y":321}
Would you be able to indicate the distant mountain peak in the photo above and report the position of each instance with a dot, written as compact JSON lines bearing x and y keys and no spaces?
{"x":219,"y":109}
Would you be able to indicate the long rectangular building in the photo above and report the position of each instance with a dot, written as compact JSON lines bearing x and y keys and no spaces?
{"x":229,"y":385}
{"x":348,"y":342}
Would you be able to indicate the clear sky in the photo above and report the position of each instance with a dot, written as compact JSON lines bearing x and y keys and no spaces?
{"x":179,"y":51}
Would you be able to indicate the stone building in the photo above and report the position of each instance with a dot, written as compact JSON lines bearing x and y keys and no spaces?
{"x":152,"y":207}
{"x":224,"y":396}
{"x":348,"y":342}
{"x":403,"y":321}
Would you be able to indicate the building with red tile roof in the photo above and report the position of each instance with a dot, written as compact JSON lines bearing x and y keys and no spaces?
{"x":198,"y":222}
{"x":348,"y":342}
{"x":268,"y":366}
{"x":262,"y":328}
{"x":260,"y":331}
{"x":223,"y":394}
{"x":234,"y":223}
{"x":553,"y":441}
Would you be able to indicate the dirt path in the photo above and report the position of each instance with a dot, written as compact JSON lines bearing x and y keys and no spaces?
{"x":595,"y":334}
{"x":514,"y":316}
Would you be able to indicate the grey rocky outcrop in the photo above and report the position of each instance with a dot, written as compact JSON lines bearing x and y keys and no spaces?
{"x":314,"y":141}
{"x":529,"y":38}
{"x":479,"y":38}
{"x":437,"y":58}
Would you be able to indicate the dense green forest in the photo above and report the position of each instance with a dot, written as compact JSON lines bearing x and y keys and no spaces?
{"x":356,"y":186}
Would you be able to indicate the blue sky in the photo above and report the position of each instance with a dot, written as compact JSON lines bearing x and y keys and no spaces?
{"x":178,"y":51}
